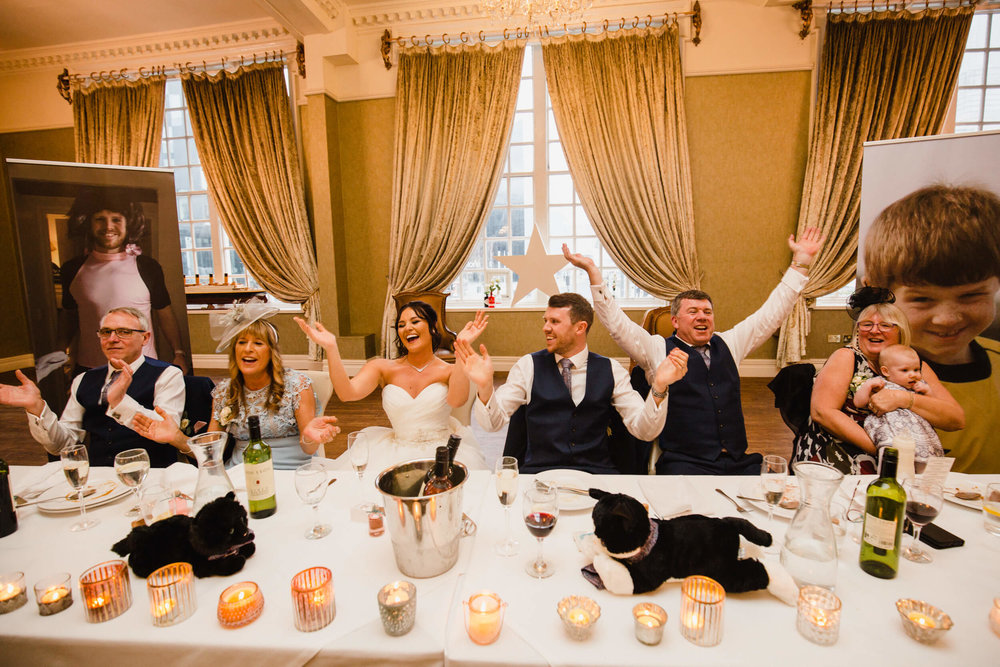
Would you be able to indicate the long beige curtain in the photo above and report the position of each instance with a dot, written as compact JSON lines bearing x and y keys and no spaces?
{"x":119,"y":122}
{"x":243,"y":131}
{"x":884,"y":75}
{"x":454,"y":109}
{"x":618,"y":100}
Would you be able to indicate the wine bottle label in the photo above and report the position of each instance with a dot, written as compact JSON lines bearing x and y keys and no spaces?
{"x":880,"y":533}
{"x":260,"y":480}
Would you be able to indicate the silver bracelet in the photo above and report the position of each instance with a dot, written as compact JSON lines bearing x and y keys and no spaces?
{"x":658,"y":394}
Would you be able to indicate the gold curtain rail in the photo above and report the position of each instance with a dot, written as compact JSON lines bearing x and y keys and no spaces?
{"x":806,"y":8}
{"x":540,"y":31}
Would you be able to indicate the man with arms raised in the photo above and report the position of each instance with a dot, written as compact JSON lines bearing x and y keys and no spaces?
{"x":704,"y":432}
{"x":104,"y":400}
{"x":569,"y":393}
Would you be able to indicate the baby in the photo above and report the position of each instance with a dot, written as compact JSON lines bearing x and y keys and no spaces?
{"x":900,"y":366}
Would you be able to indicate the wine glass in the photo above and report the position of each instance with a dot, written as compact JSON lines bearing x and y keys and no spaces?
{"x":923,"y":503}
{"x":357,"y":454}
{"x":773,"y":475}
{"x":541,"y":509}
{"x":506,"y":479}
{"x":76,"y":467}
{"x":132,"y":466}
{"x":310,"y":484}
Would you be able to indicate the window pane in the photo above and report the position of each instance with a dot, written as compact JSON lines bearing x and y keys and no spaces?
{"x":202,"y":235}
{"x":971,"y":73}
{"x":181,"y":182}
{"x":496,"y":224}
{"x":991,"y":111}
{"x":995,"y":31}
{"x":522,"y":158}
{"x":193,"y":152}
{"x":521,"y":191}
{"x":173,"y":123}
{"x":518,"y":247}
{"x":521,"y":221}
{"x":993,"y":70}
{"x":183,"y":209}
{"x":473,"y":285}
{"x":185,"y":231}
{"x":187,"y":264}
{"x":204,"y":259}
{"x":969,"y":102}
{"x":476,"y":258}
{"x":174,"y":94}
{"x":557,"y":157}
{"x":583,"y":226}
{"x":551,"y":127}
{"x":199,"y":207}
{"x":561,"y":189}
{"x":977,"y":32}
{"x":561,"y":221}
{"x":198,"y":181}
{"x":496,"y":249}
{"x":525,"y":98}
{"x":526,"y":64}
{"x":523,"y":128}
{"x":177,"y":149}
{"x":164,"y":160}
{"x":588,"y":245}
{"x":501,"y":198}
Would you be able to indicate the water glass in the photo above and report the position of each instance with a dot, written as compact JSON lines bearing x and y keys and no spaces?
{"x":991,"y":509}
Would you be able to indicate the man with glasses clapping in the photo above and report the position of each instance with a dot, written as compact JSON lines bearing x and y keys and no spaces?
{"x":104,"y":400}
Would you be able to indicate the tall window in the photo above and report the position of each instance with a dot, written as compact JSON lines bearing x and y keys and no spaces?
{"x":977,"y":106}
{"x":206,"y":250}
{"x":536,"y":189}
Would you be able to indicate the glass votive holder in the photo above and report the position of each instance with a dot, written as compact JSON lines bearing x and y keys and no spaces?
{"x":702,"y":603}
{"x":171,"y":594}
{"x":922,"y":621}
{"x":155,"y":502}
{"x":995,"y":616}
{"x":579,"y":614}
{"x":649,"y":621}
{"x":818,"y":617}
{"x":484,"y":616}
{"x":53,"y":594}
{"x":106,"y":591}
{"x":13,"y":595}
{"x":397,"y":607}
{"x":240,"y":605}
{"x":312,"y":598}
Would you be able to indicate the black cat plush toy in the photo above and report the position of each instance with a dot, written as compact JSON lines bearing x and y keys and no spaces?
{"x":633,"y":554}
{"x":217,"y":541}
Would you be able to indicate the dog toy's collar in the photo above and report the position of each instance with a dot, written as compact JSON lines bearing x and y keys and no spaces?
{"x":233,"y":550}
{"x":641,"y":552}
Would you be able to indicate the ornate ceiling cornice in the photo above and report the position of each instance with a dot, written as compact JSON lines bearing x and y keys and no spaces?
{"x":416,"y":14}
{"x":158,"y":48}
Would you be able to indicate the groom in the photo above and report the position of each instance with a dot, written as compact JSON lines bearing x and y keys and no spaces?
{"x":569,"y":393}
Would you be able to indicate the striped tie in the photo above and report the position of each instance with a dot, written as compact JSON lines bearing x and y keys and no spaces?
{"x":565,"y":365}
{"x":107,"y":385}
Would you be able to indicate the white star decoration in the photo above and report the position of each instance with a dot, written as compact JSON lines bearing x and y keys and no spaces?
{"x":535,"y":269}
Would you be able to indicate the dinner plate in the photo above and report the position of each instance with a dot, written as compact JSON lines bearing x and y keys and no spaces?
{"x":750,"y":488}
{"x":569,"y":502}
{"x":105,"y":492}
{"x":976,"y":505}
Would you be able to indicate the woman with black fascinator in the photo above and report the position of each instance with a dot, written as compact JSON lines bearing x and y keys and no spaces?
{"x":834,"y":433}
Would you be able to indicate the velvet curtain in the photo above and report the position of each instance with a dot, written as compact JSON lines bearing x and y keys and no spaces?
{"x":119,"y":122}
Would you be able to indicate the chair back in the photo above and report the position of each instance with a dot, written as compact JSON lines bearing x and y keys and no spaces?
{"x":657,"y":321}
{"x":198,"y":400}
{"x":323,"y":386}
{"x":792,"y":388}
{"x":437,"y":301}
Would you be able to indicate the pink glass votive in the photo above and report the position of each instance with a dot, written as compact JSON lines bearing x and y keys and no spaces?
{"x":240,"y":605}
{"x":312,"y":597}
{"x":171,"y":594}
{"x":106,"y":591}
{"x":484,"y":616}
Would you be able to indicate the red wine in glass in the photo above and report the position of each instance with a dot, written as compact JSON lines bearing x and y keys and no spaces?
{"x":539,"y":524}
{"x":921,"y":514}
{"x":540,"y":510}
{"x":923,"y":503}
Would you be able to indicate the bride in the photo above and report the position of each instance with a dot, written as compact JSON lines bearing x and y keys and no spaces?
{"x":419,"y":389}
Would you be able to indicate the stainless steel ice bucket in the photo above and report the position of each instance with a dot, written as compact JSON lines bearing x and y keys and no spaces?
{"x":425,"y":530}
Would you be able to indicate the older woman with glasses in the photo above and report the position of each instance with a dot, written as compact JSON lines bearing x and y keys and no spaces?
{"x":834,"y":433}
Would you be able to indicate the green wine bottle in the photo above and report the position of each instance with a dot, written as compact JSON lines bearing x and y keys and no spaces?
{"x":885,"y":506}
{"x":260,"y":473}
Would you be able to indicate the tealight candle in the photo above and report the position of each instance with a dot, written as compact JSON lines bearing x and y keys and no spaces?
{"x":484,"y":617}
{"x":649,"y":621}
{"x":995,"y":616}
{"x":12,"y":592}
{"x":921,"y":619}
{"x":579,"y":614}
{"x":240,"y":604}
{"x":171,"y":594}
{"x":106,"y":591}
{"x":397,"y":607}
{"x":53,"y":594}
{"x":702,"y":605}
{"x":312,"y":598}
{"x":818,"y":617}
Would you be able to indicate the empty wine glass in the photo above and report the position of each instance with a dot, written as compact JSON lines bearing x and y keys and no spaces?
{"x":506,"y":480}
{"x":923,"y":503}
{"x":541,"y":509}
{"x":773,"y":475}
{"x":132,"y":466}
{"x":310,"y":484}
{"x":357,"y":454}
{"x":76,"y":467}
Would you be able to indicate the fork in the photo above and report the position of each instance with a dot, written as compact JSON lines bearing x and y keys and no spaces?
{"x":739,"y":507}
{"x":21,"y":499}
{"x":565,"y":489}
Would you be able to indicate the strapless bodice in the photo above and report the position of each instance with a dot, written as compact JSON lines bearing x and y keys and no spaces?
{"x":420,"y":418}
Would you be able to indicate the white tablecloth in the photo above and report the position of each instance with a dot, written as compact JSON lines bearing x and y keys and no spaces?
{"x":758,"y":628}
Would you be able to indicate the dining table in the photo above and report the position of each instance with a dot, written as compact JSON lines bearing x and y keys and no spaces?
{"x":758,"y":628}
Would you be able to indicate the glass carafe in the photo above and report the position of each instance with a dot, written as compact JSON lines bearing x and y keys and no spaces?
{"x":810,"y":550}
{"x":213,"y":481}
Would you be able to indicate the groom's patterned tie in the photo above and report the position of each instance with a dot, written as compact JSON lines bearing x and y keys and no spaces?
{"x":566,"y":365}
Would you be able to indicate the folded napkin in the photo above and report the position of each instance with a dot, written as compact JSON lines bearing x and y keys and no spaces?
{"x":672,"y":495}
{"x":38,"y":480}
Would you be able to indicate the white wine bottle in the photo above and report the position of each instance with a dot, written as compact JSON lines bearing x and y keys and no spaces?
{"x":885,"y":507}
{"x":260,"y":473}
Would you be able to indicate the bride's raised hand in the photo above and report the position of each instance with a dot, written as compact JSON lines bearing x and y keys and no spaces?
{"x":478,"y":367}
{"x":317,"y":334}
{"x":472,"y":329}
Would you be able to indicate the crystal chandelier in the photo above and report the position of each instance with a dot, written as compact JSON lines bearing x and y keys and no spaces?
{"x":535,"y":11}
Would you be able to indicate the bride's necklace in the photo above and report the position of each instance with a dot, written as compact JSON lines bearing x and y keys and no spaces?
{"x":419,"y":369}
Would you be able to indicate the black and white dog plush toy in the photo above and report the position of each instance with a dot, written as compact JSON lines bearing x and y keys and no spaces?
{"x":633,"y":554}
{"x":216,"y":541}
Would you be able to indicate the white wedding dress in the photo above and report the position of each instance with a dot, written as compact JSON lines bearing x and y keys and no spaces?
{"x":419,"y":425}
